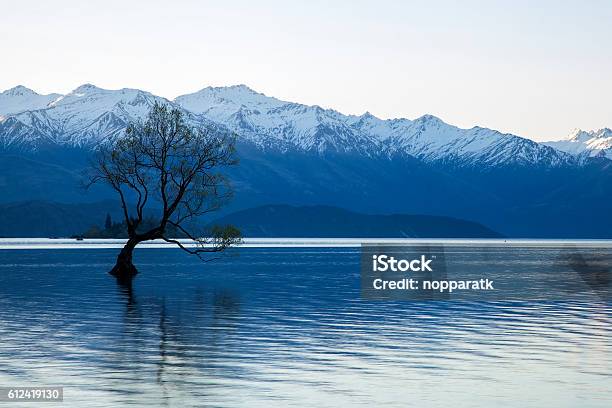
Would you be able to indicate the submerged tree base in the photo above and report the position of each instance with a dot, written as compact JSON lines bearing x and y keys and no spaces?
{"x":124,"y":271}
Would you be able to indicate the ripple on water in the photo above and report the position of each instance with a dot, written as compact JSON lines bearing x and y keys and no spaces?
{"x":285,"y":327}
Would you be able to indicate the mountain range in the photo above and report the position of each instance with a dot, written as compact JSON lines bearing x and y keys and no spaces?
{"x":89,"y":115}
{"x":593,"y":143}
{"x":306,"y":155}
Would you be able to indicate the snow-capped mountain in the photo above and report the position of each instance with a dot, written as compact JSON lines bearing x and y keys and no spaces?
{"x":266,"y":121}
{"x":85,"y":116}
{"x":432,"y":140}
{"x":20,"y":99}
{"x":89,"y":115}
{"x":593,"y":143}
{"x":269,"y":122}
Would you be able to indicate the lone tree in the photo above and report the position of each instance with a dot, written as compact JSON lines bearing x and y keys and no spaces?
{"x":164,"y":165}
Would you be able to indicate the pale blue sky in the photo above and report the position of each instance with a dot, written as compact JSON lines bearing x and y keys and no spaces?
{"x":533,"y":68}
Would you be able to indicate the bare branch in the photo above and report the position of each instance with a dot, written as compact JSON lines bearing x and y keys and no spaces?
{"x":168,"y":165}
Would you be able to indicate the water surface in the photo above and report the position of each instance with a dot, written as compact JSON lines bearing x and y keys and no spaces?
{"x":286,"y":327}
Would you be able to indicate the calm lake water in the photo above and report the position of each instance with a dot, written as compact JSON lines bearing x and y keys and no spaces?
{"x":286,"y":327}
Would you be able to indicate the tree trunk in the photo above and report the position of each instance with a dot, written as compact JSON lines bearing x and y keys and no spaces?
{"x":124,"y":269}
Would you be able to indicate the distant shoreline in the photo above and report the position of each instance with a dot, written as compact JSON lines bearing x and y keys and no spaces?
{"x":67,"y":243}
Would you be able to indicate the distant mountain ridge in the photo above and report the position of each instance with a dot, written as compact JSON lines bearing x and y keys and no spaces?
{"x":84,"y":117}
{"x":47,"y":219}
{"x":287,"y":221}
{"x":89,"y":115}
{"x":40,"y":219}
{"x":593,"y":143}
{"x":313,"y":128}
{"x":20,"y":99}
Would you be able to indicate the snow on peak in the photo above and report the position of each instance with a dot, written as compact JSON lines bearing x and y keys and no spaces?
{"x":600,"y":133}
{"x":19,"y":90}
{"x":368,"y":116}
{"x":222,"y":102}
{"x":90,"y":114}
{"x":20,"y":99}
{"x":270,"y":121}
{"x":579,"y":135}
{"x":79,"y":92}
{"x":430,"y":120}
{"x":99,"y":98}
{"x":586,"y":142}
{"x":86,"y":89}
